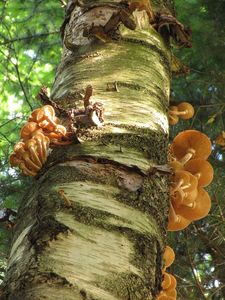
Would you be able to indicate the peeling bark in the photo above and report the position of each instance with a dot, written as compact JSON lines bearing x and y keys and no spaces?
{"x":94,"y":225}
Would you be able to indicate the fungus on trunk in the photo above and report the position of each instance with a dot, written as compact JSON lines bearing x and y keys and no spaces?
{"x":191,"y":144}
{"x":168,"y":257}
{"x":184,"y":110}
{"x":202,"y":169}
{"x":184,"y":187}
{"x":198,"y":209}
{"x":176,"y":221}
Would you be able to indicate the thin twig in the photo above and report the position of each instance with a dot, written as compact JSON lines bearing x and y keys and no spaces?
{"x":36,"y":36}
{"x":2,"y":125}
{"x":194,"y":275}
{"x":5,"y":137}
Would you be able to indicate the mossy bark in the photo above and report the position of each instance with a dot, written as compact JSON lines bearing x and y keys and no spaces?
{"x":94,"y":225}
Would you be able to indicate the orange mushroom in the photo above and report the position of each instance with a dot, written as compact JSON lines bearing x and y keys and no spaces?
{"x":191,"y":144}
{"x":32,"y":147}
{"x":28,"y":130}
{"x":198,"y":209}
{"x":42,"y":142}
{"x":173,"y":118}
{"x":202,"y":169}
{"x":184,"y":110}
{"x":17,"y":162}
{"x":21,"y":153}
{"x":184,"y":187}
{"x":164,"y":296}
{"x":168,"y":257}
{"x":33,"y":116}
{"x":166,"y":281}
{"x":176,"y":221}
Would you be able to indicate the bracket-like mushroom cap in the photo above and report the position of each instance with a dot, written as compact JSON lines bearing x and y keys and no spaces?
{"x":202,"y":169}
{"x":184,"y":189}
{"x":14,"y":160}
{"x":46,"y":112}
{"x":166,"y":283}
{"x":198,"y":210}
{"x":168,"y":256}
{"x":33,"y":116}
{"x":28,"y":130}
{"x":191,"y":144}
{"x":164,"y":296}
{"x":176,"y":222}
{"x":186,"y":110}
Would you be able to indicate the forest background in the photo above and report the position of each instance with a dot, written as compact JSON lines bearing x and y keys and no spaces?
{"x":29,"y":54}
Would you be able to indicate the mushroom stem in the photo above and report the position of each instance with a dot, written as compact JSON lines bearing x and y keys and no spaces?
{"x":25,"y":170}
{"x":198,"y":175}
{"x":178,"y":113}
{"x":190,"y":153}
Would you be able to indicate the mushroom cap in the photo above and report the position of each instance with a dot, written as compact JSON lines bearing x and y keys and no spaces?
{"x":200,"y":209}
{"x":164,"y":296}
{"x":188,"y":194}
{"x":171,"y":293}
{"x":178,"y":225}
{"x":188,"y":108}
{"x":28,"y":130}
{"x":14,"y":160}
{"x":46,"y":112}
{"x":187,"y":178}
{"x":173,"y":280}
{"x":202,"y":167}
{"x":187,"y":199}
{"x":33,"y":116}
{"x":166,"y":283}
{"x":168,"y":256}
{"x":191,"y":139}
{"x":19,"y":147}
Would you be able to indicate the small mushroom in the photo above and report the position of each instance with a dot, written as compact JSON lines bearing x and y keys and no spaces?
{"x":184,"y":110}
{"x":173,"y":118}
{"x":198,"y":209}
{"x":176,"y":221}
{"x":168,"y":257}
{"x":184,"y":187}
{"x":166,"y":281}
{"x":33,"y":116}
{"x":28,"y":130}
{"x":164,"y":296}
{"x":20,"y":151}
{"x":47,"y":113}
{"x":17,"y":162}
{"x":191,"y":144}
{"x":202,"y":169}
{"x":42,"y":145}
{"x":32,"y":147}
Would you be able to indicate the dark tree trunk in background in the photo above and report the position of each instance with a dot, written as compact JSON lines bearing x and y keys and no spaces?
{"x":109,"y":243}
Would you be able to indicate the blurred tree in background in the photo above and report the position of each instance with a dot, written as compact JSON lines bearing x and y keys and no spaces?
{"x":29,"y":53}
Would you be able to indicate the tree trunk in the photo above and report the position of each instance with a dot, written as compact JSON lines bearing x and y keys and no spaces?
{"x":94,"y":224}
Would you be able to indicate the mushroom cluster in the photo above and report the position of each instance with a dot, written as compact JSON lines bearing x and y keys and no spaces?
{"x":40,"y":132}
{"x":192,"y":172}
{"x":183,"y":110}
{"x":169,"y":282}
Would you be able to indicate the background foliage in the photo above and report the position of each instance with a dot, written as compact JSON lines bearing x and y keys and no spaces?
{"x":29,"y":53}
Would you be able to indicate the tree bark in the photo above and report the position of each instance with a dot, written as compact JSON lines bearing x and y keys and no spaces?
{"x":102,"y":237}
